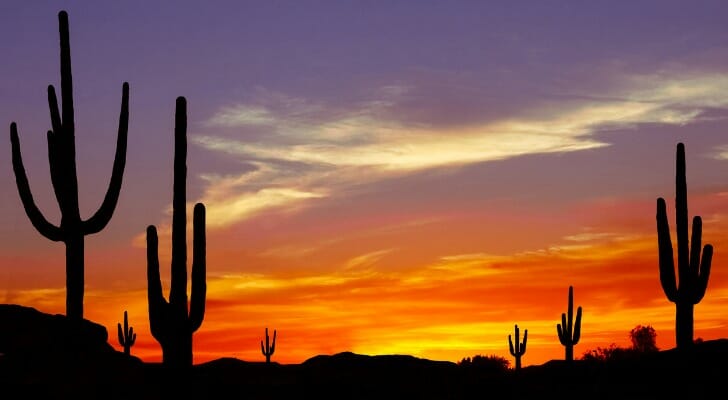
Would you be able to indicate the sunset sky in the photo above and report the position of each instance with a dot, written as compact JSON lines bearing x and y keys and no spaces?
{"x":382,"y":177}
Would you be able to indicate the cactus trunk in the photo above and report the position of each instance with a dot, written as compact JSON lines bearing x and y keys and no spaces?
{"x":684,"y":319}
{"x":74,"y":277}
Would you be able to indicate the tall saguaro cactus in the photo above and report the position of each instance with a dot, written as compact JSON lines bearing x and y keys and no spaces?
{"x":569,"y":330}
{"x":269,"y":348}
{"x":62,"y":160}
{"x":519,"y":349}
{"x":171,"y":323}
{"x":693,"y":270}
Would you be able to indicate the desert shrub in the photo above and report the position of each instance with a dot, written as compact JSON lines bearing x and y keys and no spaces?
{"x":643,"y":339}
{"x":490,"y":363}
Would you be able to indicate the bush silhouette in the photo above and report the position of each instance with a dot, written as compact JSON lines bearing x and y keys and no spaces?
{"x":643,"y":338}
{"x":492,"y":363}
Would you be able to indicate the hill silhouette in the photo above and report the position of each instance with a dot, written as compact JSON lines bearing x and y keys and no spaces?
{"x":51,"y":355}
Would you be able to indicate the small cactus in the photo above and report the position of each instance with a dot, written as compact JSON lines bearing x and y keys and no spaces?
{"x":127,"y":337}
{"x":570,"y":331}
{"x":519,"y":348}
{"x":269,"y":348}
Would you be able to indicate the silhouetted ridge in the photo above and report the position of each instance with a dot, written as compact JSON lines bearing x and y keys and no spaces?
{"x":349,"y":358}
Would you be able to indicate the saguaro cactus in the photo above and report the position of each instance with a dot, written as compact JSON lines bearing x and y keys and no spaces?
{"x":519,"y":349}
{"x":127,"y":337}
{"x":62,"y":160}
{"x":172,"y":325}
{"x":569,"y":330}
{"x":269,"y":348}
{"x":693,"y":270}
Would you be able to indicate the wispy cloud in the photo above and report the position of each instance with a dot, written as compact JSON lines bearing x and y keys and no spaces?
{"x":317,"y":150}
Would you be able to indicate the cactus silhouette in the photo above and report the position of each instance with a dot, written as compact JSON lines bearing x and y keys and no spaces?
{"x":62,"y":160}
{"x":127,"y":337}
{"x":171,"y":324}
{"x":569,"y":330}
{"x":519,"y":349}
{"x":692,"y":270}
{"x":269,"y":348}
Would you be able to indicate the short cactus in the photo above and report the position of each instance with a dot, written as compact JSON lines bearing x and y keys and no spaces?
{"x":519,"y":348}
{"x":269,"y":348}
{"x":127,"y":337}
{"x":570,"y":331}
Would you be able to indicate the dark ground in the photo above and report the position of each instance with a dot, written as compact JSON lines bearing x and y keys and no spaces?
{"x":42,"y":359}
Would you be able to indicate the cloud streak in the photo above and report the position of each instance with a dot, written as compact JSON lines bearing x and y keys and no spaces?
{"x":314,"y":151}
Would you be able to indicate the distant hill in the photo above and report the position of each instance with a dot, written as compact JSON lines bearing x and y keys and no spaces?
{"x":46,"y":355}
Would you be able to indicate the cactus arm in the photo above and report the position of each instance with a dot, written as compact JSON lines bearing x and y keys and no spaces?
{"x":510,"y":346}
{"x":198,"y":290}
{"x":525,"y":338}
{"x":561,"y":329}
{"x":55,"y":113}
{"x":704,"y":273}
{"x":157,"y":302}
{"x":55,"y":167}
{"x":102,"y":216}
{"x":40,"y":223}
{"x":120,"y":334}
{"x":666,"y":260}
{"x":696,"y":245}
{"x":273,"y":346}
{"x":54,"y":163}
{"x":178,"y":290}
{"x":577,"y":327}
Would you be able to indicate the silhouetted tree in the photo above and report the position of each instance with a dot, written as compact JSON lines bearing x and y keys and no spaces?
{"x":518,"y":349}
{"x":127,"y":337}
{"x":269,"y":348}
{"x":693,"y":271}
{"x":643,"y":338}
{"x":171,"y":323}
{"x":569,"y":331}
{"x":62,"y":160}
